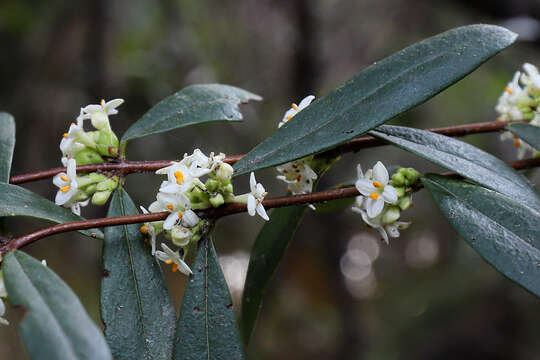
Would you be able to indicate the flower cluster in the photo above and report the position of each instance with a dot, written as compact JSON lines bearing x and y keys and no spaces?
{"x":183,"y":192}
{"x":3,"y":294}
{"x":382,"y":199}
{"x":80,"y":147}
{"x":519,"y":101}
{"x":299,"y":174}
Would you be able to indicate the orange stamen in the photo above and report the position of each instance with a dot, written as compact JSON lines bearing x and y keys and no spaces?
{"x":377,"y":184}
{"x":180,"y":214}
{"x":144,"y":229}
{"x":179,"y":177}
{"x":508,"y":90}
{"x":64,"y":177}
{"x":175,"y":268}
{"x":288,"y":117}
{"x":517,"y":143}
{"x":65,"y":134}
{"x":170,"y":207}
{"x":168,"y":262}
{"x":65,"y":188}
{"x":294,"y":106}
{"x":374,"y":196}
{"x":298,"y":177}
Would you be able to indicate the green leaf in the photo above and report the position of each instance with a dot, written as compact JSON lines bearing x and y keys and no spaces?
{"x":379,"y":93}
{"x":207,"y":326}
{"x":467,"y":160}
{"x":55,"y":325}
{"x":526,"y":132}
{"x":266,"y":254}
{"x":195,"y":104}
{"x":503,"y":231}
{"x":7,"y":143}
{"x":136,"y":307}
{"x":17,"y":201}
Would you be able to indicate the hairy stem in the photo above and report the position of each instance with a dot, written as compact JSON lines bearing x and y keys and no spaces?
{"x":224,"y":210}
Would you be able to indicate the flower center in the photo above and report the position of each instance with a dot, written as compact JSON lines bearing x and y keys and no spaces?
{"x":180,"y":214}
{"x":179,"y":177}
{"x":175,"y":268}
{"x":144,"y":229}
{"x":65,"y":188}
{"x":168,"y":262}
{"x":294,"y":106}
{"x":374,"y":195}
{"x":517,"y":143}
{"x":65,"y":134}
{"x":170,"y":207}
{"x":64,"y":177}
{"x":508,"y":90}
{"x":377,"y":184}
{"x":288,"y":117}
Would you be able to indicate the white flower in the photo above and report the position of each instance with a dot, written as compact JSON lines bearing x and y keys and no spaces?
{"x":295,"y":109}
{"x":531,"y":79}
{"x":376,"y":190}
{"x":99,"y":114}
{"x":385,"y":230}
{"x":255,"y":198}
{"x":3,"y":294}
{"x":179,"y":176}
{"x":76,"y":206}
{"x":176,"y":204}
{"x":69,"y":144}
{"x":67,"y":182}
{"x":512,"y":100}
{"x":148,"y":229}
{"x":173,"y":257}
{"x":298,"y":175}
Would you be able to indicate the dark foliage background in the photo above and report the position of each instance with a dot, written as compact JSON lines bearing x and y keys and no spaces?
{"x":340,"y":292}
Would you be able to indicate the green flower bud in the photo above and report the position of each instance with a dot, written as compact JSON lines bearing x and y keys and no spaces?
{"x":107,"y":143}
{"x":101,"y":197}
{"x":100,"y":120}
{"x":227,"y":189}
{"x":405,"y":202}
{"x":400,"y":191}
{"x":391,"y":215}
{"x":224,"y":172}
{"x":398,"y":179}
{"x":108,"y":184}
{"x":211,"y":185}
{"x":158,"y":226}
{"x":217,"y":200}
{"x":412,"y":175}
{"x":79,"y":196}
{"x":180,"y":236}
{"x":88,"y":156}
{"x":90,"y":189}
{"x":89,"y":179}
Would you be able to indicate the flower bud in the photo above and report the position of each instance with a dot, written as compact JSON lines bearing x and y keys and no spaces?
{"x":101,"y":197}
{"x":217,"y":200}
{"x":398,"y":179}
{"x":88,"y":156}
{"x":107,"y":143}
{"x":405,"y":202}
{"x":211,"y":185}
{"x":391,"y":215}
{"x":400,"y":191}
{"x":224,"y":172}
{"x":90,"y":189}
{"x":100,"y":120}
{"x":108,"y":184}
{"x":227,"y":189}
{"x":180,"y":236}
{"x":79,"y":196}
{"x":89,"y":179}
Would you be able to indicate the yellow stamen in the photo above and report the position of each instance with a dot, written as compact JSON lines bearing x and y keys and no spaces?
{"x":65,"y":134}
{"x":179,"y":177}
{"x":170,"y":207}
{"x":377,"y":184}
{"x":180,"y":214}
{"x":64,"y":177}
{"x":294,"y":106}
{"x":374,"y":196}
{"x":508,"y":90}
{"x":517,"y":143}
{"x":174,"y":268}
{"x":102,"y":102}
{"x":168,"y":262}
{"x":144,"y":229}
{"x":65,"y":188}
{"x":288,"y":117}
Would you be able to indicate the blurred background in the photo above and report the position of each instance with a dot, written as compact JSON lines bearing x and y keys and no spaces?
{"x":339,"y":292}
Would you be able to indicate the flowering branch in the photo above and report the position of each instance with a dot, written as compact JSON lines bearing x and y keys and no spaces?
{"x":213,"y":213}
{"x":129,"y":167}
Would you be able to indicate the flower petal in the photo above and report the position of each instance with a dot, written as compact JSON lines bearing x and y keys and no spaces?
{"x":252,"y":182}
{"x":251,"y":203}
{"x":380,"y":173}
{"x":390,"y":194}
{"x":305,"y":102}
{"x":170,"y":221}
{"x":374,"y":207}
{"x":365,"y":187}
{"x":262,"y":212}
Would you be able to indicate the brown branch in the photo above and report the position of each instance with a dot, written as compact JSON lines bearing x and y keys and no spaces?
{"x":129,"y":167}
{"x":228,"y":209}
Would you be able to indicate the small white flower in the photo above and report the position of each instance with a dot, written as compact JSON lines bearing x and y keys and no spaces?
{"x":385,"y":230}
{"x":512,"y":100}
{"x":531,"y":79}
{"x":173,"y":257}
{"x":67,"y":182}
{"x":99,"y":114}
{"x":76,"y":206}
{"x":176,"y":204}
{"x":295,"y":109}
{"x":255,"y":198}
{"x":3,"y":294}
{"x":148,"y":229}
{"x":376,"y":190}
{"x":179,"y":178}
{"x":298,"y":175}
{"x":69,"y":145}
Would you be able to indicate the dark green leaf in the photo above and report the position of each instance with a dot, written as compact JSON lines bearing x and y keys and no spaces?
{"x":194,"y":104}
{"x":207,"y":326}
{"x":505,"y":232}
{"x":526,"y":132}
{"x":136,"y":307}
{"x":55,"y":325}
{"x":17,"y":201}
{"x":467,"y":160}
{"x":265,"y":257}
{"x":7,"y":143}
{"x":379,"y":93}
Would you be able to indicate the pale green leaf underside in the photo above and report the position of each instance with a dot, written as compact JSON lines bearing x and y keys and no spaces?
{"x":17,"y":201}
{"x":195,"y":104}
{"x":136,"y":307}
{"x":379,"y":93}
{"x":55,"y":326}
{"x":503,"y":231}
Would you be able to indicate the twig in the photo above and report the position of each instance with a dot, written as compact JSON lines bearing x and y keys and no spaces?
{"x":129,"y":167}
{"x":228,"y":209}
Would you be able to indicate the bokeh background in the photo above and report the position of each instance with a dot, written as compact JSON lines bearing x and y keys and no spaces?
{"x":339,"y":292}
